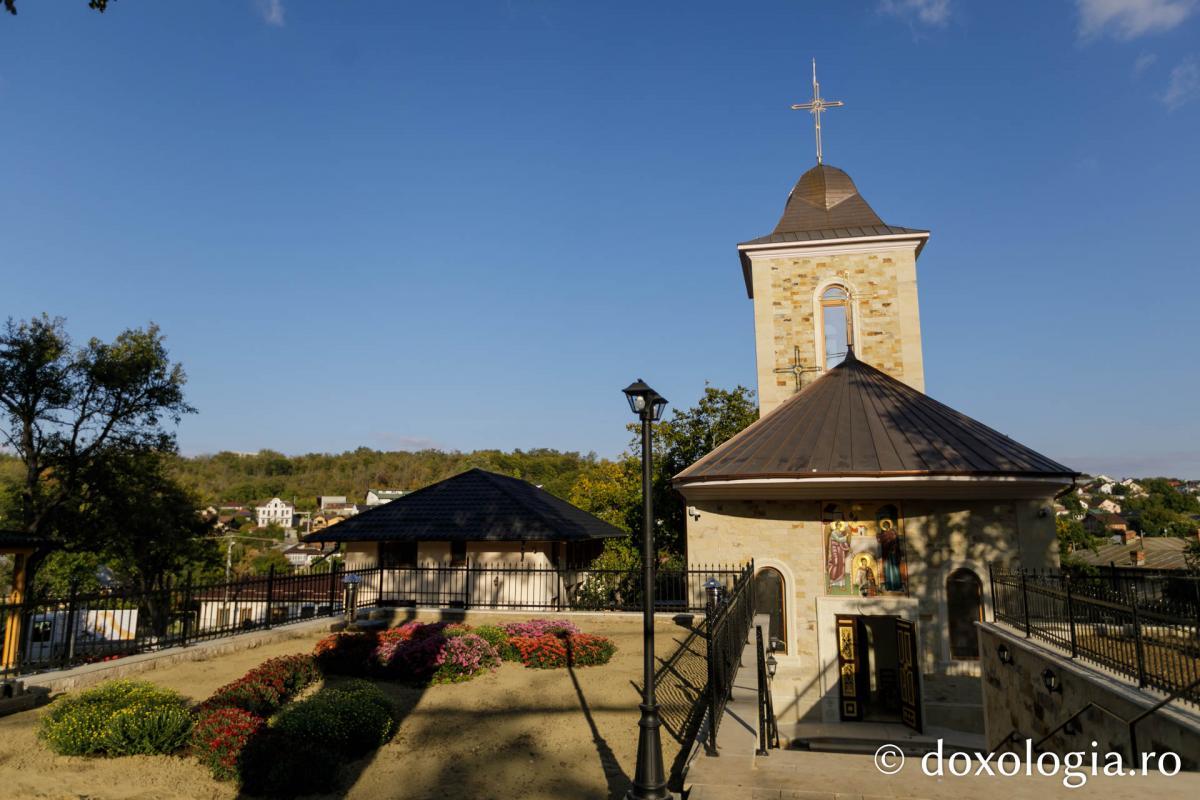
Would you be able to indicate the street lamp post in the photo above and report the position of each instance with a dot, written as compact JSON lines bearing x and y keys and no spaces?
{"x":649,"y":780}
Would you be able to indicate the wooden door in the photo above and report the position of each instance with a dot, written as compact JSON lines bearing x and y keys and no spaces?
{"x":849,"y":667}
{"x":910,"y":674}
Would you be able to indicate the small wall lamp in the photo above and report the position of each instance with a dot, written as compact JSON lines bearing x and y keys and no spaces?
{"x":776,"y":644}
{"x":772,"y":665}
{"x":1004,"y":654}
{"x":1050,"y":681}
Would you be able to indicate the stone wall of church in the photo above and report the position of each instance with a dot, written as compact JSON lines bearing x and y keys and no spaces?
{"x":940,"y":536}
{"x":882,"y":283}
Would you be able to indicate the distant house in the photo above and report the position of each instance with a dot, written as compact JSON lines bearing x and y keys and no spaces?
{"x":324,"y":501}
{"x":1109,"y":506}
{"x":377,"y":497}
{"x":303,"y":554}
{"x":275,"y":512}
{"x":1104,"y":523}
{"x":476,"y":515}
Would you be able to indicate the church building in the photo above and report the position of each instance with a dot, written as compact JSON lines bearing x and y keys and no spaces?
{"x":871,"y":510}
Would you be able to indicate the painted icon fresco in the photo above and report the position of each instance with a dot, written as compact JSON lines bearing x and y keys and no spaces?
{"x":864,"y":549}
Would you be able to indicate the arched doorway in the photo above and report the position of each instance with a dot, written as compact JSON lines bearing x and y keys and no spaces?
{"x":964,"y":607}
{"x":769,"y":600}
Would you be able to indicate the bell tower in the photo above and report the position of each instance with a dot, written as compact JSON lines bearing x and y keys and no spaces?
{"x":831,"y":276}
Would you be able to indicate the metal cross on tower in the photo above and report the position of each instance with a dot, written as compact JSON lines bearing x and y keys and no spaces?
{"x":796,"y":369}
{"x":817,"y":107}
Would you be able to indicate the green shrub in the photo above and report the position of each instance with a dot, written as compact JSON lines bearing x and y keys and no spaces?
{"x":497,"y":637}
{"x":274,"y":764}
{"x":117,"y":718}
{"x":351,"y":720}
{"x":137,"y":730}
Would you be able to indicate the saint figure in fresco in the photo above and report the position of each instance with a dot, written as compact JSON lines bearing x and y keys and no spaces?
{"x":839,"y":548}
{"x":889,"y":555}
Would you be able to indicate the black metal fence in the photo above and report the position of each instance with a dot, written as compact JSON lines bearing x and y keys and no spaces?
{"x":728,"y":624}
{"x":43,"y":633}
{"x":1157,"y":644}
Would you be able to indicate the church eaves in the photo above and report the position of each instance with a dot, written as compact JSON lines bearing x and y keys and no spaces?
{"x":858,"y":421}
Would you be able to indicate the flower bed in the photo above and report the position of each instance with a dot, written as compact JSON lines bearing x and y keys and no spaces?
{"x":118,"y":718}
{"x":437,"y":652}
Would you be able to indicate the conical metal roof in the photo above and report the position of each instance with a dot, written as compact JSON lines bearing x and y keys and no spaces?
{"x":858,"y":421}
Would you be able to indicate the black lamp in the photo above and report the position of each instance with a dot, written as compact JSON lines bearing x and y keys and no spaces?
{"x":644,"y":401}
{"x":649,"y":779}
{"x":1004,"y":654}
{"x":772,"y":665}
{"x":1050,"y":681}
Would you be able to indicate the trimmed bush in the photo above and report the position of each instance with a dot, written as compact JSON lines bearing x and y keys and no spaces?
{"x":456,"y":629}
{"x":416,"y":660}
{"x":464,"y":656}
{"x":117,"y":718}
{"x":497,"y":637}
{"x":264,"y":689}
{"x":345,"y":653}
{"x":219,"y":737}
{"x":274,"y":764}
{"x":589,"y":650}
{"x":541,"y":627}
{"x":551,"y":652}
{"x":351,"y":720}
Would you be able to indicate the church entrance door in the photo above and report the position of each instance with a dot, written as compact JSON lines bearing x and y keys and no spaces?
{"x":878,"y":666}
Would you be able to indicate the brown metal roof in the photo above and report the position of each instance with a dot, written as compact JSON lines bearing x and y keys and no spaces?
{"x":857,"y":420}
{"x":824,"y":205}
{"x":1162,"y":552}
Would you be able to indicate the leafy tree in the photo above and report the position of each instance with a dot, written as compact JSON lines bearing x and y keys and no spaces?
{"x":1072,"y":536}
{"x":99,"y":5}
{"x":66,"y":409}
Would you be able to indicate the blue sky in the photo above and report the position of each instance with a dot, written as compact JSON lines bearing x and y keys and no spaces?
{"x":471,"y":224}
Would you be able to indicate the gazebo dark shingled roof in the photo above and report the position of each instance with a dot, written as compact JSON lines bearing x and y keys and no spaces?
{"x":858,"y":421}
{"x":825,"y":205}
{"x":475,"y":505}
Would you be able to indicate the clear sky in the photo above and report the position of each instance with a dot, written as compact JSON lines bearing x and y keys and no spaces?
{"x":466,"y":225}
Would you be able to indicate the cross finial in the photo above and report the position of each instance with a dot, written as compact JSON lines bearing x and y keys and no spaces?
{"x":817,"y":107}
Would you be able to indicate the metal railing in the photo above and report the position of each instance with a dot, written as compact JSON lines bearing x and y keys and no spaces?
{"x":43,"y":632}
{"x":727,"y":623}
{"x":1158,"y":646}
{"x":768,"y":729}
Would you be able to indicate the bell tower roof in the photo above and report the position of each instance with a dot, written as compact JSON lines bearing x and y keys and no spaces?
{"x":825,"y":206}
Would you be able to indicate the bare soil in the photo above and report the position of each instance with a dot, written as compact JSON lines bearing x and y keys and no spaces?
{"x":514,"y":733}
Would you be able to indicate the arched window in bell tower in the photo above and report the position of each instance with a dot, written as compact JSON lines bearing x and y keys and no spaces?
{"x":835,"y":325}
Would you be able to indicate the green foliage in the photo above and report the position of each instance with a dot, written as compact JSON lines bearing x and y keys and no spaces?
{"x":1164,"y":510}
{"x":275,"y":764}
{"x":351,"y":719}
{"x":230,"y":477}
{"x":118,"y":718}
{"x":497,"y":637}
{"x":1072,"y":536}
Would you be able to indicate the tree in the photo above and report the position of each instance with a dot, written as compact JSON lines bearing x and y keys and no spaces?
{"x":687,"y":437}
{"x":1072,"y":536}
{"x":613,"y":491}
{"x":66,"y":409}
{"x":99,"y":5}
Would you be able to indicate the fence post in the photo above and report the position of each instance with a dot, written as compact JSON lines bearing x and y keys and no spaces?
{"x":1070,"y":614}
{"x":270,"y":593}
{"x":333,"y":573}
{"x":69,"y":651}
{"x":1025,"y":602}
{"x":186,"y":603}
{"x":1137,"y":643}
{"x":467,"y":593}
{"x":709,"y":616}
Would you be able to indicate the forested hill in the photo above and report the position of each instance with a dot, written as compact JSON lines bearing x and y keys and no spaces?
{"x":231,"y":477}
